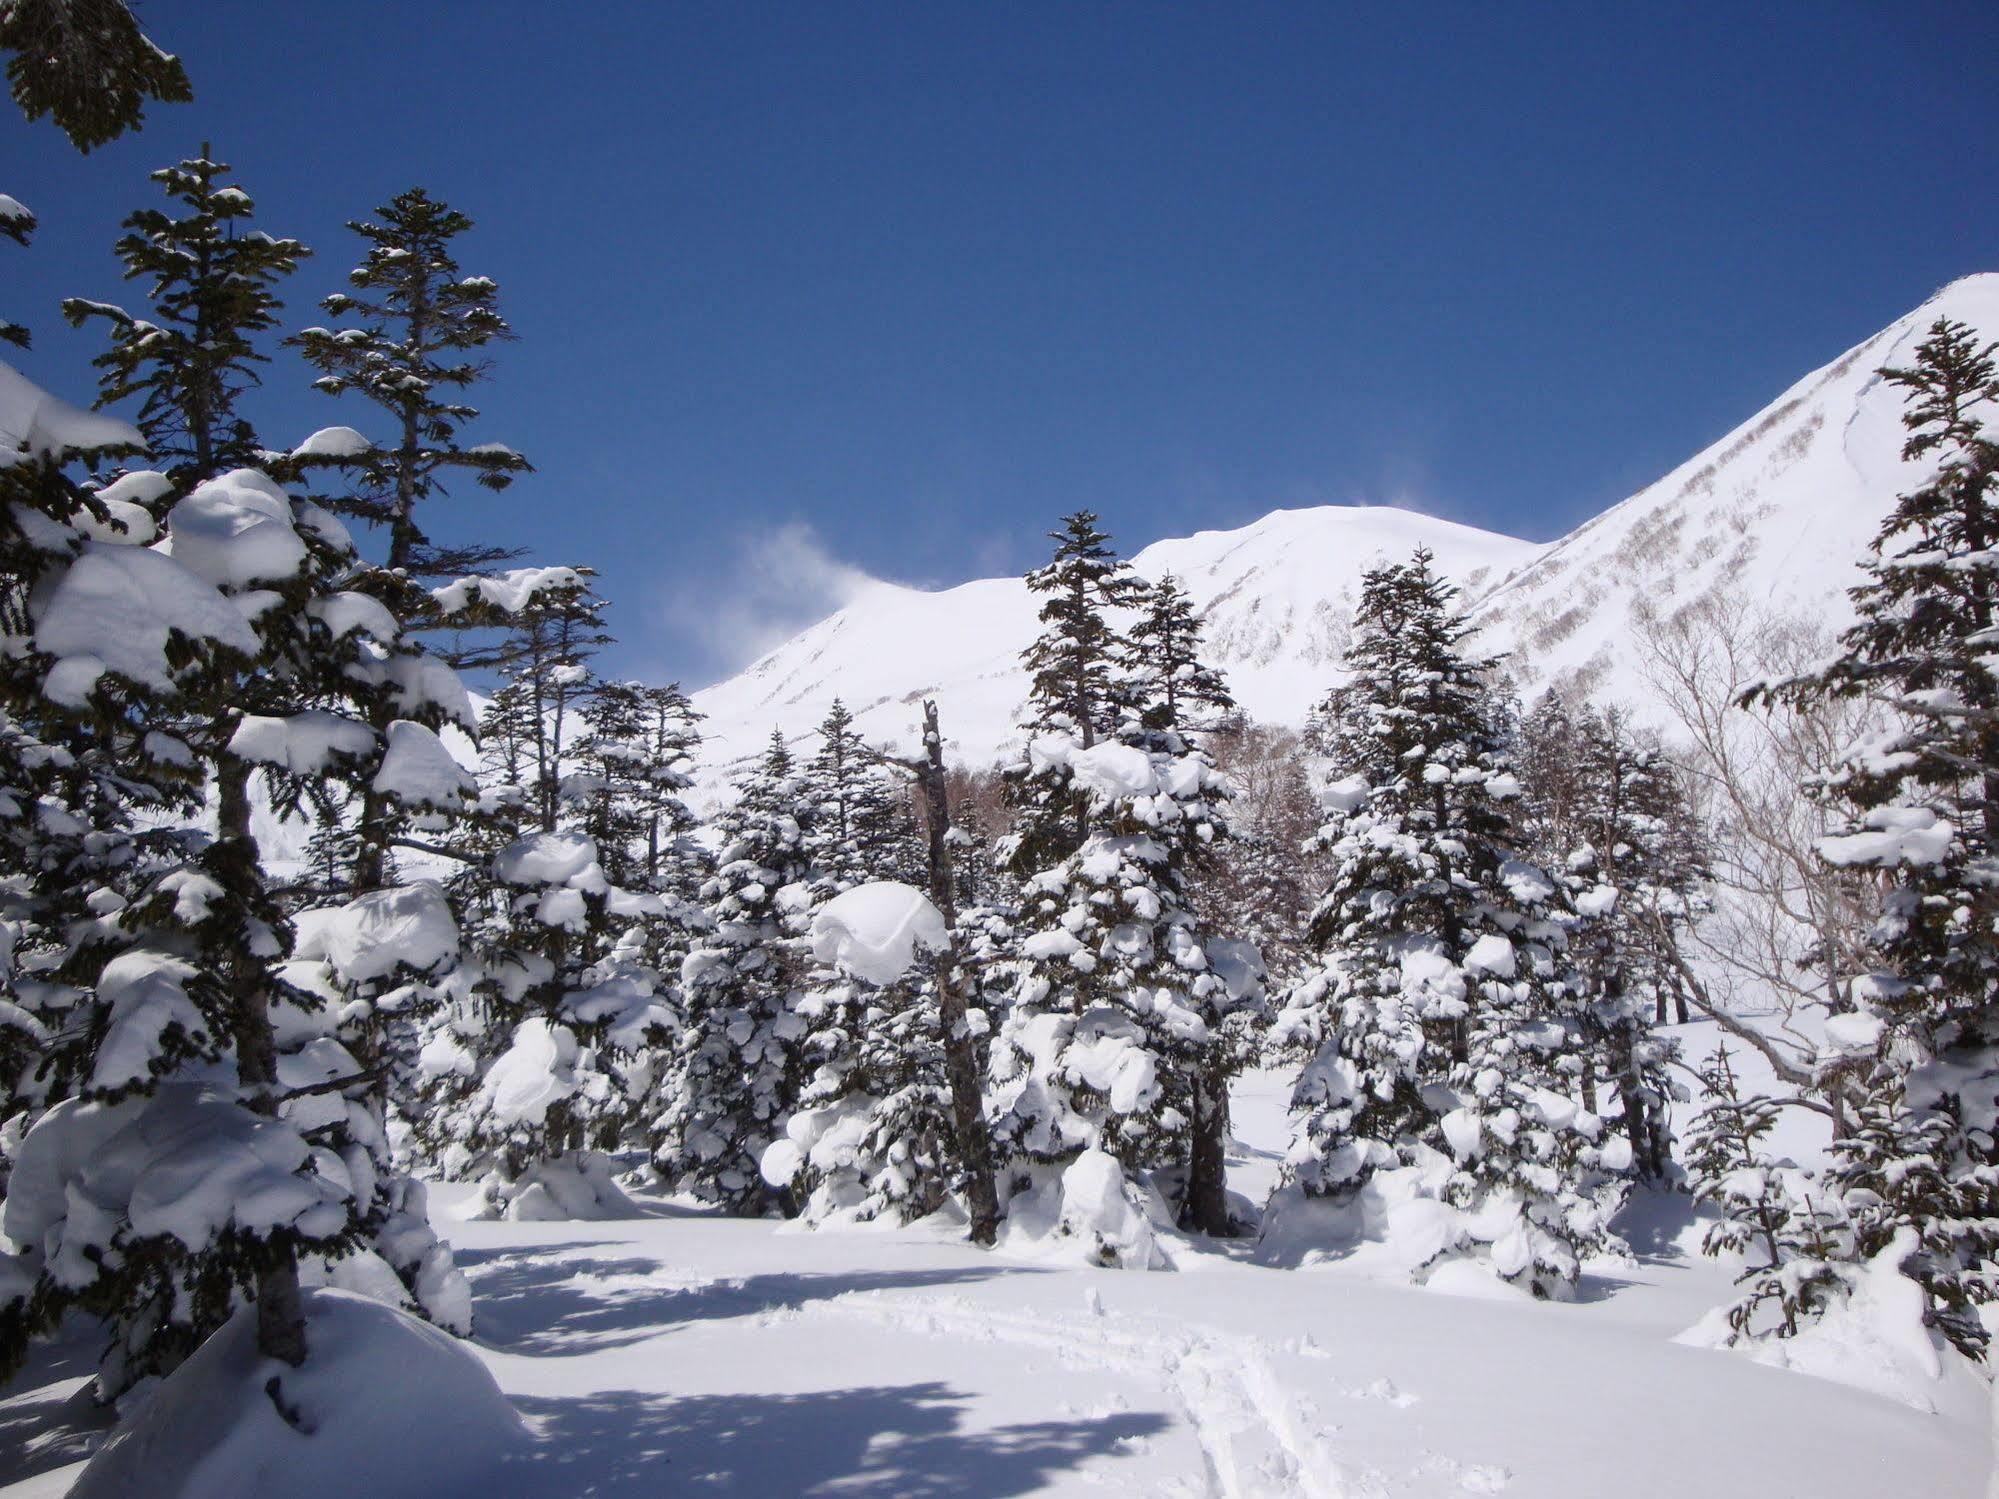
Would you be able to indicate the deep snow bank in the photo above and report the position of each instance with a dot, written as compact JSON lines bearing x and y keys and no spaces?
{"x":391,"y":1407}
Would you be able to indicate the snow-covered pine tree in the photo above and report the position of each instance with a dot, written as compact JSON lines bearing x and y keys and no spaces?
{"x":1176,"y":694}
{"x":890,"y":1118}
{"x":211,"y":285}
{"x":1927,"y":794}
{"x":544,"y":1057}
{"x":89,"y":68}
{"x":546,"y":1062}
{"x":1438,"y":1017}
{"x":737,"y":1065}
{"x":410,"y":340}
{"x":1605,"y":811}
{"x":1766,"y":1214}
{"x":1088,"y":1085}
{"x":203,"y":979}
{"x":1165,"y":677}
{"x":854,"y":1036}
{"x":1077,"y":687}
{"x":860,"y":827}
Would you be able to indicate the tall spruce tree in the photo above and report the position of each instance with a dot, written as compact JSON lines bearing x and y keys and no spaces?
{"x":411,"y":338}
{"x":1605,"y":812}
{"x":1927,"y":794}
{"x":1104,"y":1062}
{"x":212,"y":289}
{"x":1441,"y":1014}
{"x":1166,"y":676}
{"x":1077,"y":686}
{"x":738,"y":1064}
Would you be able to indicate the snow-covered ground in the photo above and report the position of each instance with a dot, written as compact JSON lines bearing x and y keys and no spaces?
{"x":681,"y":1353}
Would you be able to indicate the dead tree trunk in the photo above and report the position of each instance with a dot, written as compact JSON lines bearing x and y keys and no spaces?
{"x":961,"y":1063}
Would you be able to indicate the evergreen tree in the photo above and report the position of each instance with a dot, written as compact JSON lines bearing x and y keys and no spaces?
{"x":202,"y":975}
{"x":860,"y":825}
{"x":1767,"y":1215}
{"x":1077,"y":685}
{"x":1164,"y":669}
{"x":1116,"y":982}
{"x":1440,"y":1017}
{"x":412,"y":339}
{"x":86,"y":65}
{"x":891,"y":1120}
{"x":543,"y":1061}
{"x":1604,"y":809}
{"x":211,"y":287}
{"x":1175,"y":693}
{"x":738,"y":1066}
{"x":1927,"y":800}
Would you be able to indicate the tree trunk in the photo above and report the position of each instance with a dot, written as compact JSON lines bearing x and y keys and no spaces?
{"x":961,"y":1063}
{"x":1207,"y":1205}
{"x":280,"y":1306}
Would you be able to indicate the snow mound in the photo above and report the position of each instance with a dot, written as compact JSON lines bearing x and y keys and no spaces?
{"x":873,"y":931}
{"x":408,"y":926}
{"x":1873,"y":1338}
{"x":33,"y":421}
{"x":1090,"y":1214}
{"x":115,"y":610}
{"x":386,"y":1406}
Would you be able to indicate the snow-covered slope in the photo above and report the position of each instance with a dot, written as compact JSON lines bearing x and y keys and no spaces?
{"x":1779,"y":509}
{"x":1276,"y":595}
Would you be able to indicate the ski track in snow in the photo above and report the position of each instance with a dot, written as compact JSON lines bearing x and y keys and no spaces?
{"x":1257,"y":1440}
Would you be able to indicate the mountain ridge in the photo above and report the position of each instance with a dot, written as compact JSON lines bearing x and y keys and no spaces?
{"x":1781,"y":507}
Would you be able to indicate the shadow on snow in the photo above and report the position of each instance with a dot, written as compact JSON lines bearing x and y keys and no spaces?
{"x":902,"y":1441}
{"x":527,"y":1304}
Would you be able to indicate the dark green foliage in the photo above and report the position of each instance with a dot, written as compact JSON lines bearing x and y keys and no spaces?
{"x":410,"y":340}
{"x":86,"y":65}
{"x":1166,"y":677}
{"x":211,"y":290}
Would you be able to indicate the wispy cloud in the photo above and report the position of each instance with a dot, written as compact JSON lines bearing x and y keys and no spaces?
{"x":773,"y":585}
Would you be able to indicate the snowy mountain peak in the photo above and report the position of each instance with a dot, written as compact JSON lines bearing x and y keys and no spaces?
{"x":1276,"y":594}
{"x":1778,"y":510}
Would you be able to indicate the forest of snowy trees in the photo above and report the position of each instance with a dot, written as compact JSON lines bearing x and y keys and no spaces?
{"x":528,"y":950}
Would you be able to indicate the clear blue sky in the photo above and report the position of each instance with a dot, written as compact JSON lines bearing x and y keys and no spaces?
{"x":920,"y":278}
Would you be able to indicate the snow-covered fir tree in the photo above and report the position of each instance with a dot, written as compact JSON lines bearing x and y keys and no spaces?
{"x":1077,"y":683}
{"x":544,"y":1058}
{"x":737,"y":1061}
{"x":1443,"y":1015}
{"x":1103,"y":1055}
{"x":205,"y":1039}
{"x":1922,"y":1169}
{"x":860,"y":826}
{"x":410,"y":339}
{"x":211,"y":286}
{"x":1165,"y":675}
{"x":1783,"y":1226}
{"x":1604,"y":811}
